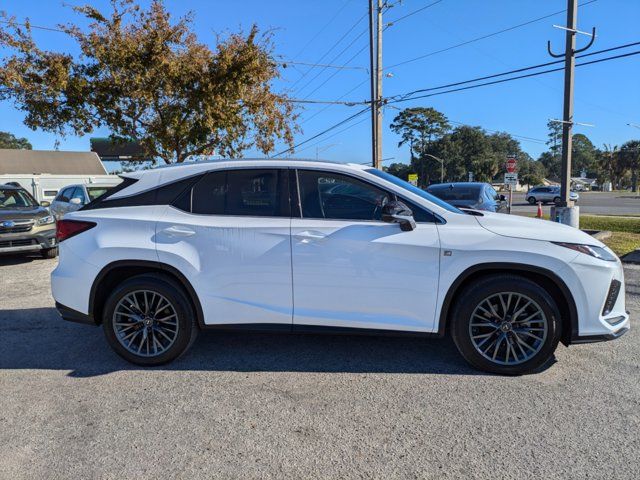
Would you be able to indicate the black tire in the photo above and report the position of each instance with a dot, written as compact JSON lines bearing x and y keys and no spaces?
{"x":49,"y":252}
{"x":162,"y":285}
{"x":473,"y":297}
{"x":556,"y":200}
{"x":531,"y":200}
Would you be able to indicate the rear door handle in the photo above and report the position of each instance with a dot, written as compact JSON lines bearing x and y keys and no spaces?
{"x":175,"y":231}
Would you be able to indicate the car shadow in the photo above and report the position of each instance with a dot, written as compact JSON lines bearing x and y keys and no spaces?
{"x":38,"y":339}
{"x":15,"y":259}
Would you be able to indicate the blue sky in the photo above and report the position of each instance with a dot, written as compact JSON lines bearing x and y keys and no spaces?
{"x":607,"y":94}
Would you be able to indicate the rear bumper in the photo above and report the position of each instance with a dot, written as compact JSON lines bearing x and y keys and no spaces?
{"x":72,"y":315}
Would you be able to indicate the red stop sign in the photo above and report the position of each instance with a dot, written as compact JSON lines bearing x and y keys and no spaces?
{"x":511,"y":165}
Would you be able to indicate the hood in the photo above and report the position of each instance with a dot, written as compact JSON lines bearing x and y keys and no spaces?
{"x":533,"y":229}
{"x":23,"y":213}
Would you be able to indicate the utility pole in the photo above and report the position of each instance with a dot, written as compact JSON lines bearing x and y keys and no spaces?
{"x":379,"y":89}
{"x":566,"y":212}
{"x":372,"y":71}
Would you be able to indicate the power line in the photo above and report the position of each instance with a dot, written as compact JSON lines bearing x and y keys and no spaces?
{"x":335,"y":44}
{"x":329,"y":106}
{"x":333,"y":135}
{"x":329,"y":102}
{"x":509,"y":72}
{"x":504,"y":80}
{"x":399,"y":19}
{"x":338,"y":12}
{"x":285,"y":63}
{"x":327,"y":130}
{"x":483,"y":37}
{"x":351,"y":117}
{"x":28,"y":25}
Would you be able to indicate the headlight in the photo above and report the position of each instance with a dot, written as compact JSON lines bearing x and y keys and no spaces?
{"x":597,"y":252}
{"x":48,"y":220}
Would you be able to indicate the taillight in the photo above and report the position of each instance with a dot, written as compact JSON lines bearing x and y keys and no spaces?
{"x":69,"y":228}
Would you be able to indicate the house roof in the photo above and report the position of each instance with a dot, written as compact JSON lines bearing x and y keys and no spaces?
{"x":28,"y":162}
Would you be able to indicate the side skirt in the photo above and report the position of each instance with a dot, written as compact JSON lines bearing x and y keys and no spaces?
{"x":315,"y":329}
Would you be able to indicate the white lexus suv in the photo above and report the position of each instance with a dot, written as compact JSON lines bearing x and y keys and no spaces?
{"x":306,"y":246}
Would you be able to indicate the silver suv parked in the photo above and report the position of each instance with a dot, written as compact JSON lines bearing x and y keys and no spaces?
{"x":548,"y":194}
{"x":73,"y":197}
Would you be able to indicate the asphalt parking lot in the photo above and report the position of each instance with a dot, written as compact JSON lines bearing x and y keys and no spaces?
{"x":598,"y":203}
{"x":261,"y":406}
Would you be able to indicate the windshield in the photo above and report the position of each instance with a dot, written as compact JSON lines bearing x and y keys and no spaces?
{"x":447,"y":192}
{"x":418,"y":191}
{"x":10,"y":198}
{"x":95,"y":192}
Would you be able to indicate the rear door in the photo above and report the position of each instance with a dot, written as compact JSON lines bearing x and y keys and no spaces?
{"x":230,"y":236}
{"x":352,"y":270}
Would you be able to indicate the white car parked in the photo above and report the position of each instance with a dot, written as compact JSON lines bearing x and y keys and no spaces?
{"x":74,"y":197}
{"x":304,"y":246}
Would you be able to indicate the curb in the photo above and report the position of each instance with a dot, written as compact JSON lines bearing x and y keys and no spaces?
{"x":599,"y":234}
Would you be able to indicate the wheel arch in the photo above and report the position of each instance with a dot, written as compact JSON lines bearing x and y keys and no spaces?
{"x":115,"y":272}
{"x":561,"y":293}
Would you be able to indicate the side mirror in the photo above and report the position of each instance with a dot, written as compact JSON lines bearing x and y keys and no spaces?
{"x":503,"y":198}
{"x":45,"y":203}
{"x":75,"y":201}
{"x":398,"y":212}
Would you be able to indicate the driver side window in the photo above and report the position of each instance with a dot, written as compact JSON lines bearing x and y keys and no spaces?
{"x":331,"y":195}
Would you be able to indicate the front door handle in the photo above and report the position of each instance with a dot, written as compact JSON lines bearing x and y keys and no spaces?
{"x":310,"y":235}
{"x":175,"y":231}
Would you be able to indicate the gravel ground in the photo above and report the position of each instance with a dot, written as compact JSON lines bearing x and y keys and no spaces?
{"x":263,"y":406}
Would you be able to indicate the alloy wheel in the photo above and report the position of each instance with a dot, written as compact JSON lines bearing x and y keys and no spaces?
{"x":508,"y":328}
{"x":145,"y":323}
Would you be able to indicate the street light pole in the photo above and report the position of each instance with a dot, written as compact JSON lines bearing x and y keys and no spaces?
{"x":441,"y":165}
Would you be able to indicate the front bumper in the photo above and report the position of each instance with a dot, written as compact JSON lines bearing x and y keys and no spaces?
{"x":28,"y":242}
{"x":605,"y":337}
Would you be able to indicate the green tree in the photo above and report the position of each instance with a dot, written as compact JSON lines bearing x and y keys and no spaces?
{"x":555,"y":137}
{"x":552,"y":165}
{"x":9,"y":140}
{"x":147,"y":78}
{"x":420,"y":127}
{"x":630,"y":156}
{"x":400,"y":170}
{"x":583,"y":155}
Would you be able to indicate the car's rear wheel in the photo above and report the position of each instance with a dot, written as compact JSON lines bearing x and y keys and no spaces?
{"x":506,"y":324}
{"x":148,"y":320}
{"x":531,"y":200}
{"x":556,"y":200}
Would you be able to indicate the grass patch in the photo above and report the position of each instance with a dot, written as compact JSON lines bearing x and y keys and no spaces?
{"x":614,"y":224}
{"x":623,"y":242}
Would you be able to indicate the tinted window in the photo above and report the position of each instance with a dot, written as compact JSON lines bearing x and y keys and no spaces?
{"x":335,"y":196}
{"x":258,"y":193}
{"x":95,"y":192}
{"x":78,"y":193}
{"x":457,"y":192}
{"x":419,"y":213}
{"x":413,"y":189}
{"x":65,"y":194}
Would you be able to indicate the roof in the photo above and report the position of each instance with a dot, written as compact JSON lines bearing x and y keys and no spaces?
{"x":9,"y":187}
{"x":29,"y":162}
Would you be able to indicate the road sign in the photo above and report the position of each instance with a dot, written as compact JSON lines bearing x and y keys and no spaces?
{"x":413,"y":179}
{"x":511,"y":179}
{"x":511,"y":164}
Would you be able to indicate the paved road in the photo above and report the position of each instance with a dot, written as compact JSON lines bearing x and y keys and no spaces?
{"x":600,"y":203}
{"x":247,"y":406}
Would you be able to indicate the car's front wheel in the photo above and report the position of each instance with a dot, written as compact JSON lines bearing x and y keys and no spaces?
{"x":148,"y":320}
{"x":506,"y":324}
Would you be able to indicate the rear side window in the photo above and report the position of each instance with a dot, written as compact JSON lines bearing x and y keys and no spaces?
{"x":246,"y":192}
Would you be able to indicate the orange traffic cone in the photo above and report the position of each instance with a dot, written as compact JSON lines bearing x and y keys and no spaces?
{"x":539,"y":214}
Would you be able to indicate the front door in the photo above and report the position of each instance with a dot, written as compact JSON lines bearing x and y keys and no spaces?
{"x":230,"y":236}
{"x":352,"y":270}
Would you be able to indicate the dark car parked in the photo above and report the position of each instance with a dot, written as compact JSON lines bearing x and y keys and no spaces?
{"x":477,"y":196}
